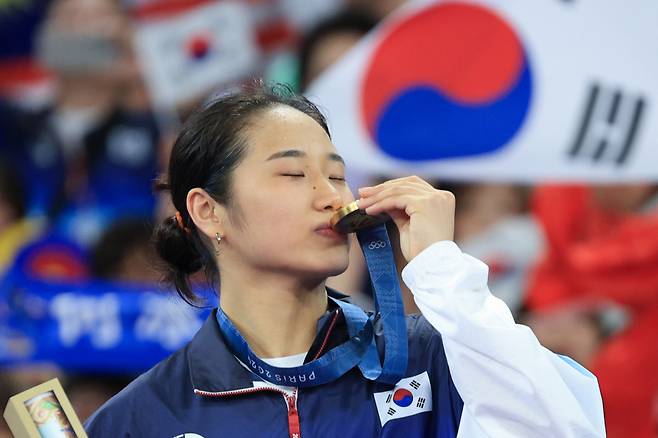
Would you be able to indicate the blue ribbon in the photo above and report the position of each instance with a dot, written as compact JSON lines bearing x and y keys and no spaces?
{"x":378,"y":253}
{"x":327,"y":368}
{"x":360,"y":349}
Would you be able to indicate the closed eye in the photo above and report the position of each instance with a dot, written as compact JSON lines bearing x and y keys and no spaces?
{"x":337,"y":178}
{"x":292,"y":174}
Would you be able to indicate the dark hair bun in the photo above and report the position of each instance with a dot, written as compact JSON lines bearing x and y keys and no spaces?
{"x":176,"y":248}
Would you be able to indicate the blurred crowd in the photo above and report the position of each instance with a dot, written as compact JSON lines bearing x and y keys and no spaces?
{"x":81,"y":147}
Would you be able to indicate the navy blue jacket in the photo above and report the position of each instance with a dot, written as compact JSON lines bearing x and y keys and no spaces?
{"x":203,"y":391}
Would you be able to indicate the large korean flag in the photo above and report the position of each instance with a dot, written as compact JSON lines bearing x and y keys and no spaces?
{"x":501,"y":90}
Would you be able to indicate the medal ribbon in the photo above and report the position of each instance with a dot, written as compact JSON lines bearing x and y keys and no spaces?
{"x":378,"y":253}
{"x":360,"y":349}
{"x":327,"y":368}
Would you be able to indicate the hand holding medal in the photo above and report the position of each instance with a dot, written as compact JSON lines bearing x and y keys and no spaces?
{"x":422,"y":214}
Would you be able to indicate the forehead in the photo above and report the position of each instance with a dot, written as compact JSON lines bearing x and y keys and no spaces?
{"x":283,"y":127}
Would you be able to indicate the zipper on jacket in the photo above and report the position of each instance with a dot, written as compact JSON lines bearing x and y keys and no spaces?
{"x":294,"y":429}
{"x":293,"y":415}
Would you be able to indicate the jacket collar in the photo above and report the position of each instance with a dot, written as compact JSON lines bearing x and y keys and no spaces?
{"x":215,"y":370}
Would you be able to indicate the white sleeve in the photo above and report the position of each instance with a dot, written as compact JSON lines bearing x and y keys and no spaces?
{"x":510,"y":384}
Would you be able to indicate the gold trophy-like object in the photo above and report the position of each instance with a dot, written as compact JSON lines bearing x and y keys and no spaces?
{"x":43,"y":411}
{"x":349,"y":219}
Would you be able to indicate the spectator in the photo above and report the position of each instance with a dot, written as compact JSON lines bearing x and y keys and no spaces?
{"x":329,"y":40}
{"x":483,"y":205}
{"x":91,"y":154}
{"x":602,"y":248}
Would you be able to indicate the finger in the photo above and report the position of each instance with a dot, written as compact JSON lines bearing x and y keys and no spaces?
{"x":392,"y":204}
{"x":413,"y":179}
{"x":385,"y":184}
{"x":407,"y":179}
{"x":419,"y":180}
{"x":408,"y":185}
{"x":395,"y":190}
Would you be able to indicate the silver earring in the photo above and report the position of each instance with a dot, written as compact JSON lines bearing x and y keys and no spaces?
{"x":219,"y":240}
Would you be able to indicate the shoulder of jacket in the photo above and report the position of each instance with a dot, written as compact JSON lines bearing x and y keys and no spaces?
{"x":117,"y":417}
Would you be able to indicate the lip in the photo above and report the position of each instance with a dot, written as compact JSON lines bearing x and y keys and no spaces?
{"x":327,"y":231}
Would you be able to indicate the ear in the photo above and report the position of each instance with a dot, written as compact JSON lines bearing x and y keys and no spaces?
{"x":205,"y":212}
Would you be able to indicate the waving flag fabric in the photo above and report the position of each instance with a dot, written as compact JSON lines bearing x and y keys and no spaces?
{"x":501,"y":90}
{"x":188,"y":53}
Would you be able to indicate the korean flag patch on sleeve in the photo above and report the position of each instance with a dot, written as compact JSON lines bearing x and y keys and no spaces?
{"x":410,"y":396}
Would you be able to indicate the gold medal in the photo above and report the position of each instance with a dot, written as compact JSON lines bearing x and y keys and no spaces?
{"x":350,"y":219}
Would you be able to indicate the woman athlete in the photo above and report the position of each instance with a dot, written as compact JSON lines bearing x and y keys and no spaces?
{"x":255,"y":180}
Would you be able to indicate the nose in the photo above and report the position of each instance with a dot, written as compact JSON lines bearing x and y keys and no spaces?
{"x":327,"y":196}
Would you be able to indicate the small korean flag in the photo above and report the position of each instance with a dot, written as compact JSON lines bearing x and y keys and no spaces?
{"x":410,"y":396}
{"x":190,"y":53}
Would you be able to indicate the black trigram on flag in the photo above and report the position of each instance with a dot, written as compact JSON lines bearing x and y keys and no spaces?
{"x":421,"y":402}
{"x":391,"y":411}
{"x":388,"y":399}
{"x":609,"y":126}
{"x":414,"y":384}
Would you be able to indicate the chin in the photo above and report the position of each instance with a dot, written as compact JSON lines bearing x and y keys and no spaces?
{"x":336,"y":271}
{"x":329,"y":266}
{"x":332,"y":269}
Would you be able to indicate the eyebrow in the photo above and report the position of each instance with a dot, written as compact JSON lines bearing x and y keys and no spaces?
{"x":295,"y":153}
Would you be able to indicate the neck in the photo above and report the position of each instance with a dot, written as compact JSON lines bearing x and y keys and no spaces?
{"x":276,"y":313}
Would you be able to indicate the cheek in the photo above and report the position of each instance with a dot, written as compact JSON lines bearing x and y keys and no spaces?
{"x":270,"y":211}
{"x":271,"y":223}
